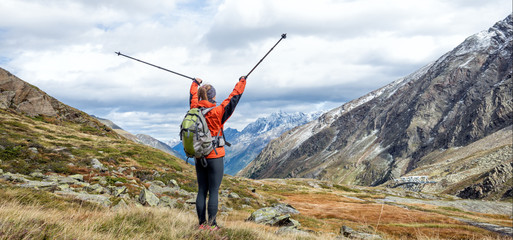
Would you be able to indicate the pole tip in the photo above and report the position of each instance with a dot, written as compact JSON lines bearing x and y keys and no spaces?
{"x":284,"y":35}
{"x":118,"y":53}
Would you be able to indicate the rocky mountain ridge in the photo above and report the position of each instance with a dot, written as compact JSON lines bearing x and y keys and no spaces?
{"x":459,"y":99}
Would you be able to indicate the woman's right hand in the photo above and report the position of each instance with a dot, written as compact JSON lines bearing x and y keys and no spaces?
{"x":198,"y":80}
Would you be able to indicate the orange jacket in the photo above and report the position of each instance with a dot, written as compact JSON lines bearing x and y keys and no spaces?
{"x":219,"y":114}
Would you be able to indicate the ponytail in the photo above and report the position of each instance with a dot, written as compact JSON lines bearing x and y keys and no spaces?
{"x":202,"y":92}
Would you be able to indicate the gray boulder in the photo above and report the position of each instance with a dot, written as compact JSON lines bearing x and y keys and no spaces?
{"x":154,"y":188}
{"x":95,"y":188}
{"x":347,"y":232}
{"x":64,"y":187}
{"x":40,"y":185}
{"x":37,"y":174}
{"x":278,"y":215}
{"x":52,"y":178}
{"x":157,"y":189}
{"x":285,"y":208}
{"x":78,"y":177}
{"x":98,"y":165}
{"x":233,"y":195}
{"x":65,"y":180}
{"x":119,"y":190}
{"x":158,"y":183}
{"x":173,"y":183}
{"x":18,"y":178}
{"x":100,"y":199}
{"x":147,"y":198}
{"x":166,"y":201}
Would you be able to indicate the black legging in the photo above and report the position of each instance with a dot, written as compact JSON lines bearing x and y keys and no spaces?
{"x":209,"y":180}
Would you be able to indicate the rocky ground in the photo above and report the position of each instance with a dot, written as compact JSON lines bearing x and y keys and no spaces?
{"x":102,"y":188}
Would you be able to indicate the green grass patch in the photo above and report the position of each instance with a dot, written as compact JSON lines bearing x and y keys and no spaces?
{"x":38,"y":118}
{"x":190,"y":186}
{"x":108,"y":150}
{"x":50,"y":137}
{"x":17,"y":125}
{"x":90,"y":130}
{"x":11,"y":152}
{"x":78,"y":138}
{"x":112,"y":180}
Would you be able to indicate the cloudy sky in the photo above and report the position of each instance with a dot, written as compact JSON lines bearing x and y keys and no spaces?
{"x":335,"y":51}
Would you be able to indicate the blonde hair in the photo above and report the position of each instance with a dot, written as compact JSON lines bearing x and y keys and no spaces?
{"x":202,"y":91}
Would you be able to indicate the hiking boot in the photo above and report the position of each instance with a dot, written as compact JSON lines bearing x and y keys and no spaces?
{"x":203,"y":227}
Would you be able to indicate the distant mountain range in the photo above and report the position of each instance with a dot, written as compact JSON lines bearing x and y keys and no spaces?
{"x":248,"y":143}
{"x":450,"y":120}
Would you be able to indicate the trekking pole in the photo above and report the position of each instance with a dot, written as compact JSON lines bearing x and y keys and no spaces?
{"x":119,"y":53}
{"x":282,"y":37}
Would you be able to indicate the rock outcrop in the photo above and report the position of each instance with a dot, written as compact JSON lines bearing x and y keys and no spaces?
{"x":22,"y":97}
{"x":497,"y":181}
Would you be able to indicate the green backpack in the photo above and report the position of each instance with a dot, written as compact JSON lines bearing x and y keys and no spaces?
{"x":195,"y":135}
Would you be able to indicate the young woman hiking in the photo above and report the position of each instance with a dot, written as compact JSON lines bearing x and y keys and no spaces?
{"x":210,"y":177}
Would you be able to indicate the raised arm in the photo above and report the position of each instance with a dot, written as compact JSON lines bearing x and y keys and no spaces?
{"x":231,"y":102}
{"x":193,"y":98}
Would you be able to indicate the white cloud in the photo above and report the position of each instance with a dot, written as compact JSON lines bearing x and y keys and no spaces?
{"x":335,"y":51}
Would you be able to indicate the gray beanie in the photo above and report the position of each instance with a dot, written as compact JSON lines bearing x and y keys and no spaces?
{"x":211,"y":93}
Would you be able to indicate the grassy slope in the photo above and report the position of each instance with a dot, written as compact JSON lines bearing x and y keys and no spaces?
{"x":30,"y":144}
{"x":47,"y":145}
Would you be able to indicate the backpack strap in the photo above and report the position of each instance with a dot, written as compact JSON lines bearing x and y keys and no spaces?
{"x":217,"y":140}
{"x":204,"y":111}
{"x":224,"y":139}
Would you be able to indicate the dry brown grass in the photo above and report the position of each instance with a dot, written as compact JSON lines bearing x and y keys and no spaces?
{"x":391,"y":221}
{"x":49,"y":217}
